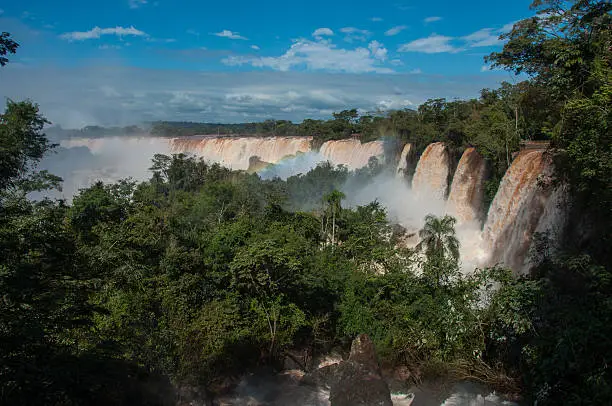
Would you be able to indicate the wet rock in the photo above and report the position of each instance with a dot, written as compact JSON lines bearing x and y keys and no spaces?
{"x":358,"y":380}
{"x":327,"y":360}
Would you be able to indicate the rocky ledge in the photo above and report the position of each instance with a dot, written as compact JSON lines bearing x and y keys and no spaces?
{"x":356,"y":381}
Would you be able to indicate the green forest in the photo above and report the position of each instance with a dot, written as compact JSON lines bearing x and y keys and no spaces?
{"x":202,"y":273}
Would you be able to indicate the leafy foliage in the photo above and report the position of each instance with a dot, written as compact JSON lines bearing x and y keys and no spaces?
{"x":7,"y":46}
{"x":202,"y":272}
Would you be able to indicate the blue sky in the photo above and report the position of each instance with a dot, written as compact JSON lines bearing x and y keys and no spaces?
{"x":124,"y":61}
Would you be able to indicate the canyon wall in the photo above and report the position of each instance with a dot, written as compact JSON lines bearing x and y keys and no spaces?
{"x":467,"y":190}
{"x":402,"y":165}
{"x":235,"y":152}
{"x":431,"y":175}
{"x":521,"y":207}
{"x":351,"y":152}
{"x":517,"y":210}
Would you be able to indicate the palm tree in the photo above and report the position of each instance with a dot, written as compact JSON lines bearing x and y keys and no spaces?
{"x":441,"y":246}
{"x":438,"y":238}
{"x":333,"y":200}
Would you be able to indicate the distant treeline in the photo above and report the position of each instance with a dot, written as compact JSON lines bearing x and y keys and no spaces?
{"x":495,"y":124}
{"x":94,"y":131}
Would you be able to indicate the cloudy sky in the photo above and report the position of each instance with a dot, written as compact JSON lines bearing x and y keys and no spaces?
{"x":119,"y":62}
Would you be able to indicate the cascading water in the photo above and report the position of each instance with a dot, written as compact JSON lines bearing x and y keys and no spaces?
{"x":520,"y":208}
{"x":467,"y":190}
{"x":431,"y":175}
{"x":235,"y":152}
{"x":517,"y":210}
{"x":351,"y":152}
{"x":402,"y":165}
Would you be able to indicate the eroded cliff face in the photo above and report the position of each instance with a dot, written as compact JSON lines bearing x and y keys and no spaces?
{"x":517,"y":209}
{"x":521,"y":206}
{"x":431,"y":175}
{"x":235,"y":152}
{"x":402,"y":165}
{"x":351,"y":152}
{"x":467,"y":190}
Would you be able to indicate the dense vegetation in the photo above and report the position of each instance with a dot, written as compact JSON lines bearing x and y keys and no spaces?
{"x":201,"y":272}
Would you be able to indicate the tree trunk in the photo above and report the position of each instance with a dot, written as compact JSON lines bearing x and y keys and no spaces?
{"x":333,"y":227}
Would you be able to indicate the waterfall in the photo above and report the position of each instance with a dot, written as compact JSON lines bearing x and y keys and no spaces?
{"x":235,"y":152}
{"x":431,"y":175}
{"x":517,"y":210}
{"x":402,"y":165}
{"x":351,"y":152}
{"x":467,"y":191}
{"x":520,"y":208}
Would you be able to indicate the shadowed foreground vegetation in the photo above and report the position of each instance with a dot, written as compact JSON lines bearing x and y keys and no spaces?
{"x":201,"y":273}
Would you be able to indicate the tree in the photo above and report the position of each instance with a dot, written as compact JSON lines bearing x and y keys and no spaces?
{"x":441,"y":247}
{"x":348,"y":116}
{"x":566,"y":49}
{"x":22,"y":146}
{"x":561,"y":45}
{"x":438,"y":238}
{"x":334,"y":208}
{"x":554,"y":328}
{"x":7,"y":46}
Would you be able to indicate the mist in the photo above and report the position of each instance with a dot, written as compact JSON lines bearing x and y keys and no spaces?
{"x":408,"y":208}
{"x":300,"y":164}
{"x":81,"y":162}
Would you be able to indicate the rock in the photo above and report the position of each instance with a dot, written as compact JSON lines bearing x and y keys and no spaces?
{"x":364,"y":353}
{"x":327,"y":360}
{"x":324,"y":377}
{"x":192,"y":396}
{"x":358,"y":381}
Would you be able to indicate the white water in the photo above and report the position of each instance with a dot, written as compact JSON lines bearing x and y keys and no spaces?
{"x":519,"y":209}
{"x":351,"y":152}
{"x":402,"y":165}
{"x":466,"y":196}
{"x":431,"y":175}
{"x":286,"y":389}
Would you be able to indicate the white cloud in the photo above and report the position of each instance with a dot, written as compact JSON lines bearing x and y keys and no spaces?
{"x":431,"y":19}
{"x":507,"y":28}
{"x":97,"y":32}
{"x":137,"y":3}
{"x":109,"y":91}
{"x":355,"y":34}
{"x":396,"y":62}
{"x":416,"y":71}
{"x":124,"y":95}
{"x":107,"y":46}
{"x":482,"y":38}
{"x":316,"y":55}
{"x":255,"y":47}
{"x":378,"y":50}
{"x":485,"y":37}
{"x":230,"y":34}
{"x":376,"y":19}
{"x":353,"y":30}
{"x":395,"y":30}
{"x":161,"y":40}
{"x":394,"y":102}
{"x":430,"y":45}
{"x":322,"y":32}
{"x":489,"y":68}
